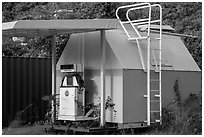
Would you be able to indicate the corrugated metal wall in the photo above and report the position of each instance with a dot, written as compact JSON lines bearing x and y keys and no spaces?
{"x":24,"y":81}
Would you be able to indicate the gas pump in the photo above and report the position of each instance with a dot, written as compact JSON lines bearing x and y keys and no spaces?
{"x":72,"y":92}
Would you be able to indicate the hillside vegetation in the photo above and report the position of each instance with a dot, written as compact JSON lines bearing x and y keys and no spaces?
{"x":185,"y":18}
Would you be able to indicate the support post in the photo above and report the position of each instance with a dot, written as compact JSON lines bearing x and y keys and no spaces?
{"x":160,"y":63}
{"x":102,"y":74}
{"x":54,"y":77}
{"x":82,"y":62}
{"x":148,"y":70}
{"x":148,"y":82}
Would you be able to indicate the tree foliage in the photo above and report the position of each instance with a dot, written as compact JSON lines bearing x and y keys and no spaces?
{"x":186,"y":18}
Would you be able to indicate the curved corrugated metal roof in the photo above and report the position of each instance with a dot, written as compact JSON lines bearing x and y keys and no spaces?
{"x":123,"y":54}
{"x":50,"y":27}
{"x":174,"y":52}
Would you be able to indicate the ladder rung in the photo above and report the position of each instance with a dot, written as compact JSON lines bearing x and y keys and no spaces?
{"x":158,"y":120}
{"x":154,"y":100}
{"x":157,"y":95}
{"x":154,"y":90}
{"x":154,"y":111}
{"x":155,"y":80}
{"x":154,"y":95}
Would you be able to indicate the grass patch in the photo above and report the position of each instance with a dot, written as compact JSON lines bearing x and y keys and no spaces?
{"x":178,"y":118}
{"x":181,"y":118}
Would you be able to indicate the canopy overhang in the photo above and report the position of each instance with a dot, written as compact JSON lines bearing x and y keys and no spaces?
{"x":52,"y":28}
{"x":55,"y":27}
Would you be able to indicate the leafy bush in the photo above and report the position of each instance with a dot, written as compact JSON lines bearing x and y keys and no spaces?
{"x":27,"y":116}
{"x":185,"y":119}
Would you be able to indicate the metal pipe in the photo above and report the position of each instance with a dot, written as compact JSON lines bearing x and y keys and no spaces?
{"x":125,"y":30}
{"x":102,"y":74}
{"x":128,"y":6}
{"x":134,"y":21}
{"x":82,"y":62}
{"x":127,"y":16}
{"x":160,"y":63}
{"x":148,"y":70}
{"x":54,"y":77}
{"x":140,"y":53}
{"x":137,"y":8}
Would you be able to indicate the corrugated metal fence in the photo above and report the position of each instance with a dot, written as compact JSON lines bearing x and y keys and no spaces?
{"x":24,"y":81}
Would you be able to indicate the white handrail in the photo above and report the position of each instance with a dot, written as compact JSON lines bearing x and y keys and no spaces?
{"x":133,"y":21}
{"x":148,"y":70}
{"x":148,"y":22}
{"x":136,"y":8}
{"x":160,"y":56}
{"x":128,"y":6}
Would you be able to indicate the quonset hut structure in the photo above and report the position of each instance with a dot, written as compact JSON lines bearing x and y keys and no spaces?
{"x":129,"y":68}
{"x":125,"y":78}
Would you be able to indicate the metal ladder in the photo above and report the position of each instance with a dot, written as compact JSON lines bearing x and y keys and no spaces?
{"x":153,"y":96}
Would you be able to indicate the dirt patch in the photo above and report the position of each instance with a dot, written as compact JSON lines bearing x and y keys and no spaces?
{"x":29,"y":130}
